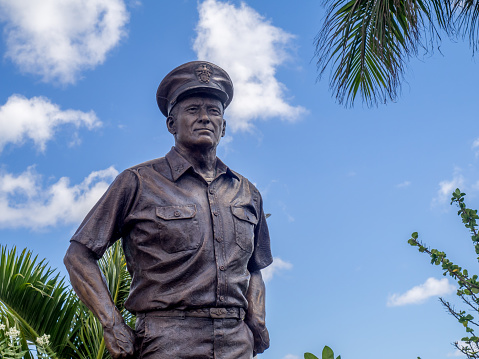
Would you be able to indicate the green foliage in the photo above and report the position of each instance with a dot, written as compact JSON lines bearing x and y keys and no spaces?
{"x":47,"y":313}
{"x":468,"y":285}
{"x":327,"y":354}
{"x":36,"y":299}
{"x":10,"y":343}
{"x":368,"y":42}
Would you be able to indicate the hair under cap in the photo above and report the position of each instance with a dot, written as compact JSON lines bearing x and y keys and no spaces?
{"x":194,"y":77}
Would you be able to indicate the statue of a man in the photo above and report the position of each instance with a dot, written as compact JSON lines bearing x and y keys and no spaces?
{"x":194,"y":235}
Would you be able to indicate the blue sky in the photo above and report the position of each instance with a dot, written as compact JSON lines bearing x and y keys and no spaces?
{"x":346,"y":187}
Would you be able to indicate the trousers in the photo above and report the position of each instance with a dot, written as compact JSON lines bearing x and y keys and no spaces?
{"x":162,"y":337}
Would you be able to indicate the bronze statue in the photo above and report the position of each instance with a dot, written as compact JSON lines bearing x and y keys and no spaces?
{"x":194,"y":235}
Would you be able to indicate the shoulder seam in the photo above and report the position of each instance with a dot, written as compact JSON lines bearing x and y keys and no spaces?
{"x":150,"y":164}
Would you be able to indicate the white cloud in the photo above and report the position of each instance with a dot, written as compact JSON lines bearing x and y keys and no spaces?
{"x":57,"y":39}
{"x":430,"y":288}
{"x":250,"y":49}
{"x":291,"y":356}
{"x":446,"y":188}
{"x":475,"y":146}
{"x":277,"y":265}
{"x":403,"y":184}
{"x":24,"y":202}
{"x":37,"y":119}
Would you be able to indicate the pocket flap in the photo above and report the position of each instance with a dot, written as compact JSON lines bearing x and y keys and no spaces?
{"x":244,"y":213}
{"x":176,"y":212}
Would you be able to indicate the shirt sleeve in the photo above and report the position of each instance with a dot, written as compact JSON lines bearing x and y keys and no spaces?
{"x":261,"y":257}
{"x":103,"y":225}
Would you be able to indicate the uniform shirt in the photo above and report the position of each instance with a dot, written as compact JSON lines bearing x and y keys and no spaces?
{"x":188,"y":243}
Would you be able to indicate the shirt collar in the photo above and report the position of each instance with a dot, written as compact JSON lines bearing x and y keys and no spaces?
{"x":179,"y":165}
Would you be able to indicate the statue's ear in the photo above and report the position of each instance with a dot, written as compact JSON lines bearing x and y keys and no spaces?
{"x":224,"y":128}
{"x":171,"y":125}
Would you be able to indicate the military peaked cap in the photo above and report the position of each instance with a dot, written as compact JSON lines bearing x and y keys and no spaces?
{"x":194,"y":77}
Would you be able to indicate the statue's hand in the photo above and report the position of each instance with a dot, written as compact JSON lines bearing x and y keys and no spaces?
{"x":260,"y":335}
{"x":120,"y":341}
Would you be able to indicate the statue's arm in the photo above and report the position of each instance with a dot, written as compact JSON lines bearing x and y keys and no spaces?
{"x":256,"y":314}
{"x":88,"y":283}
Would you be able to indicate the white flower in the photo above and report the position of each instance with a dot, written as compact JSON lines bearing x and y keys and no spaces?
{"x":2,"y":326}
{"x":44,"y":340}
{"x":13,"y":333}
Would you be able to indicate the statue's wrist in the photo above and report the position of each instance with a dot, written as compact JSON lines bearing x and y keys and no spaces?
{"x":112,"y":320}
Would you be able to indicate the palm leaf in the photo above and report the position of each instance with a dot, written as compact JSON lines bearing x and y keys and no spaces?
{"x":113,"y":267}
{"x":367,"y":44}
{"x":37,"y":299}
{"x":90,"y":336}
{"x":465,"y":19}
{"x":90,"y":341}
{"x":33,"y":296}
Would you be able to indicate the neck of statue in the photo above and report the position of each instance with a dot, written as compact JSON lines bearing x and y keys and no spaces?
{"x":202,"y":159}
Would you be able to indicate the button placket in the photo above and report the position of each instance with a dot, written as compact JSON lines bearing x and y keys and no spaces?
{"x":218,"y":244}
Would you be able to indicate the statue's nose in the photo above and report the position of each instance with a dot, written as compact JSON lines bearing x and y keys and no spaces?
{"x":204,"y":116}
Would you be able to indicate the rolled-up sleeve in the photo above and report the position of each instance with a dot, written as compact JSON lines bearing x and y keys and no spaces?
{"x":104,"y":224}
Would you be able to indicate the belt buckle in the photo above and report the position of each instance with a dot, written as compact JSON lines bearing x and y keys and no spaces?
{"x":217,"y":313}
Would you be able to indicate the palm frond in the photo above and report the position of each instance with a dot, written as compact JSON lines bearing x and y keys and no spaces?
{"x":367,"y":44}
{"x":89,"y":341}
{"x":33,"y":296}
{"x":466,"y":20}
{"x":113,"y":266}
{"x":37,"y":299}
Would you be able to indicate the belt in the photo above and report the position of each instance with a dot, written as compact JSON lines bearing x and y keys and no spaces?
{"x":215,"y":313}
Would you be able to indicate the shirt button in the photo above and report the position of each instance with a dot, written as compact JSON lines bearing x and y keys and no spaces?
{"x":216,"y":213}
{"x":222,"y":299}
{"x":222,"y":267}
{"x":212,"y":191}
{"x":219,"y":239}
{"x":177,"y":213}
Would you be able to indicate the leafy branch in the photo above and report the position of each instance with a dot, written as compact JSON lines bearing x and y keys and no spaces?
{"x":468,"y":285}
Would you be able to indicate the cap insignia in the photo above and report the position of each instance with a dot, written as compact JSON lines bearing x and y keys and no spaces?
{"x":203,"y":73}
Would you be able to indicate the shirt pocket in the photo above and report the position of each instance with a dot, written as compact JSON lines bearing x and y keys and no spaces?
{"x":178,"y":228}
{"x":244,"y":222}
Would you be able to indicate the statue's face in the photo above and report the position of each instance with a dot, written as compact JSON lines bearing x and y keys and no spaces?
{"x":197,"y":122}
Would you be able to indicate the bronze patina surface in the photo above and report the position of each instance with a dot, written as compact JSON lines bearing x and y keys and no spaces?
{"x":194,"y":234}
